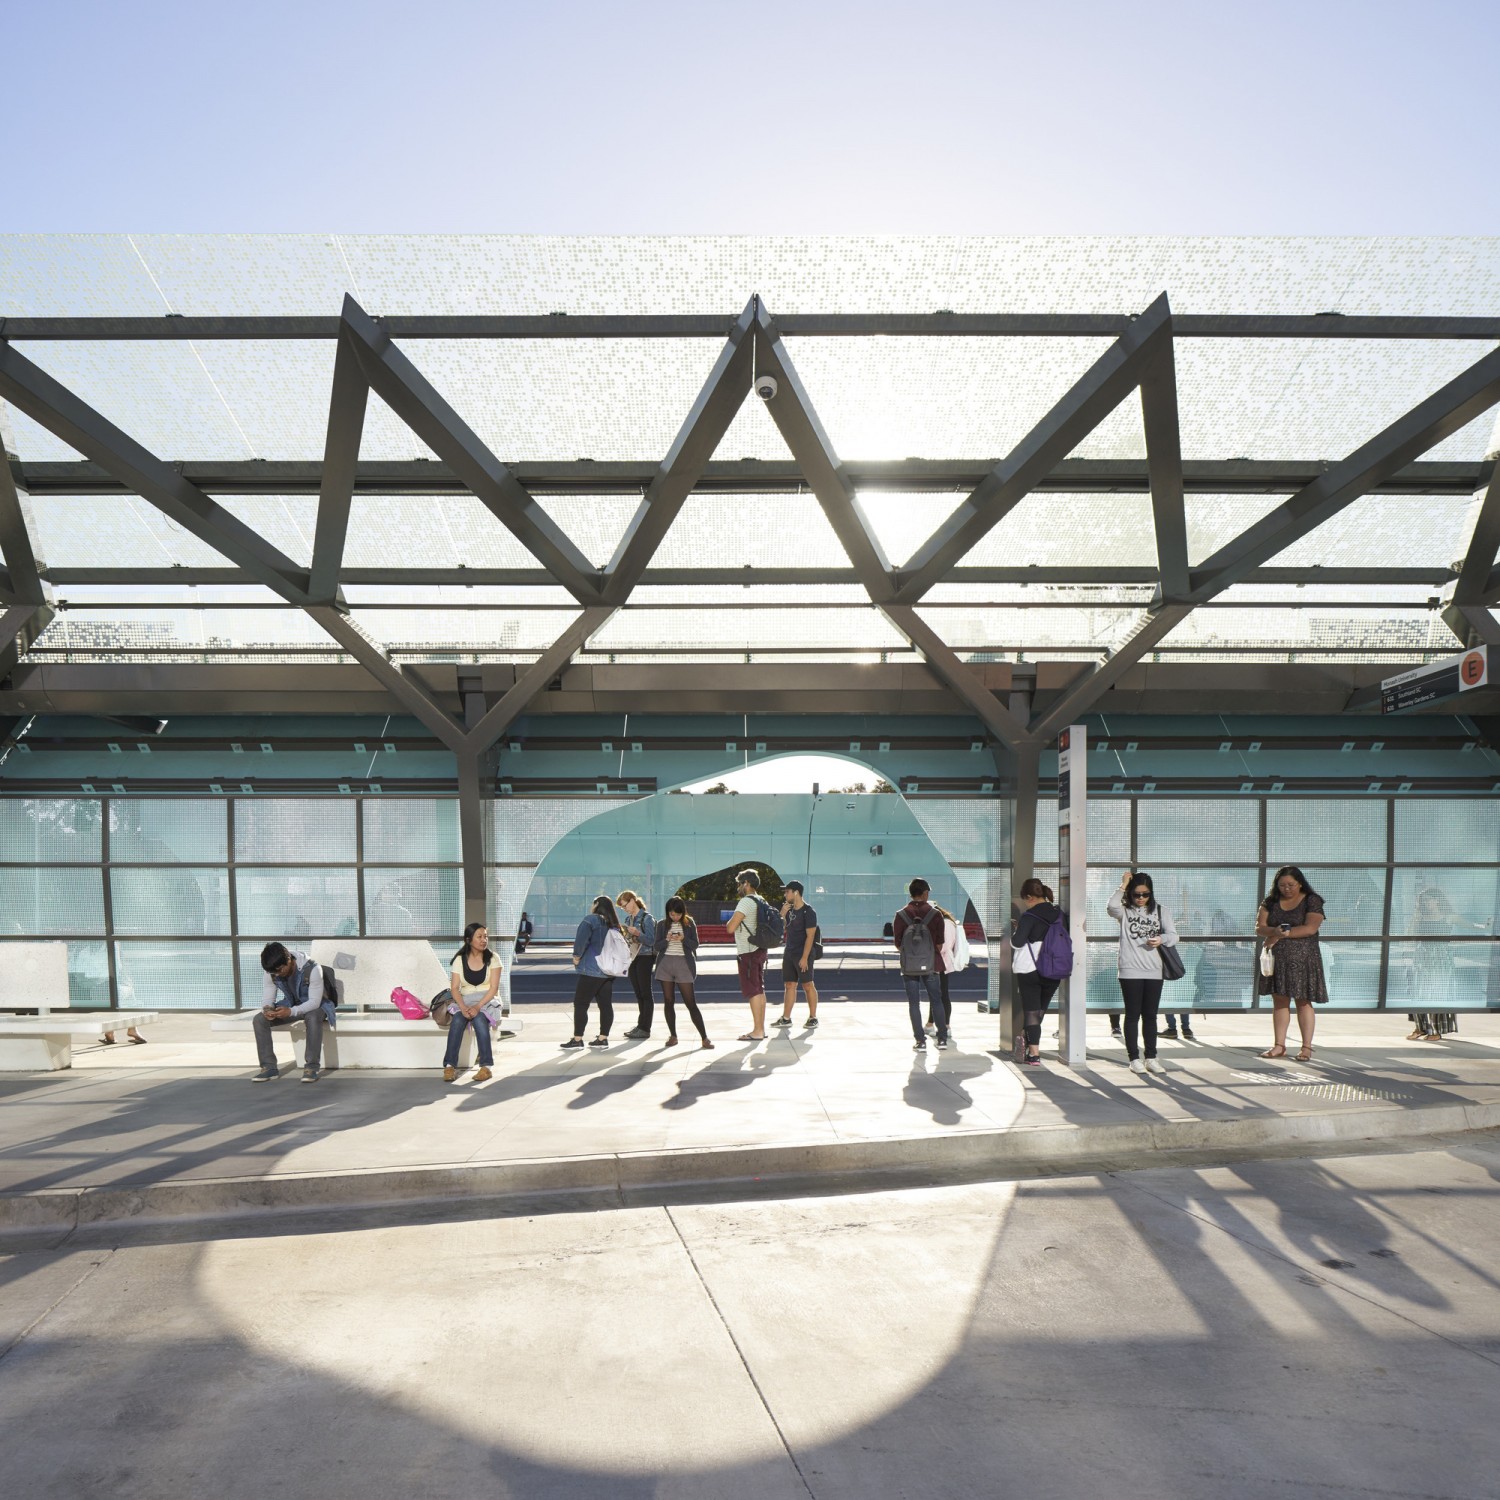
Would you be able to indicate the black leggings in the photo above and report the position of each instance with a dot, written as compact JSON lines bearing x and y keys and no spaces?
{"x":1036,"y":996}
{"x":1142,"y":996}
{"x":669,"y":988}
{"x":589,"y":989}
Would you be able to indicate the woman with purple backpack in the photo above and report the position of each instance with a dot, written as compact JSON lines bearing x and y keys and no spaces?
{"x":1029,"y":931}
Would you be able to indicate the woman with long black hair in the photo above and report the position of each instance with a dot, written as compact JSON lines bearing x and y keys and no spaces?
{"x":1029,"y":931}
{"x":677,"y":968}
{"x":1145,"y":928}
{"x":594,"y":985}
{"x":474,"y":983}
{"x":1287,"y":924}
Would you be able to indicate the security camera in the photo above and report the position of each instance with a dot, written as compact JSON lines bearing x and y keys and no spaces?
{"x":765,"y":386}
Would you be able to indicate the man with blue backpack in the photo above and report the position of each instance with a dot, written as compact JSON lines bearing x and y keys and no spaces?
{"x":918,"y":934}
{"x":756,"y":927}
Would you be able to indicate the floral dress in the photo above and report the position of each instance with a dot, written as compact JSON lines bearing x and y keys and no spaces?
{"x":1299,"y":961}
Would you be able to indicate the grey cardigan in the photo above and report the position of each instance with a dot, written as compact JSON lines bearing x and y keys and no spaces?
{"x":1137,"y":961}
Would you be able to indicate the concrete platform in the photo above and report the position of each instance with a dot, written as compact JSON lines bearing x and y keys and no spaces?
{"x":176,"y":1131}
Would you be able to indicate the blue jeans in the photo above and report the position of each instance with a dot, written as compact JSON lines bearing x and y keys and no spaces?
{"x":481,"y":1026}
{"x":915,"y":984}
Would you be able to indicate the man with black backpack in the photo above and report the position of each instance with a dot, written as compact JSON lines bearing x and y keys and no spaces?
{"x":918,"y":933}
{"x":756,"y":927}
{"x":294,"y":991}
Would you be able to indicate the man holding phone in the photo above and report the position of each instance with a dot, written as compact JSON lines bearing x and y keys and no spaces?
{"x":797,"y":956}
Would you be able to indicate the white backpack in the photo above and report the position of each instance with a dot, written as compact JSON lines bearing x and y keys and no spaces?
{"x":614,"y":956}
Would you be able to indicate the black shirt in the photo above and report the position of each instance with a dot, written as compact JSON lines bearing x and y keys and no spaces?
{"x":797,"y":924}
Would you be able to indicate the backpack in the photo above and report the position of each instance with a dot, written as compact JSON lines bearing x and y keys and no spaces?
{"x":614,"y":956}
{"x":961,"y":951}
{"x":770,"y":930}
{"x":918,"y":952}
{"x":1055,"y":960}
{"x":330,"y":987}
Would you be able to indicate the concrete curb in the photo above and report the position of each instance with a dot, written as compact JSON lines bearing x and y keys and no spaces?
{"x":56,"y":1213}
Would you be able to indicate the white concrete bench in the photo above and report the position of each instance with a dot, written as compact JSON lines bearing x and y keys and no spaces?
{"x":366,"y":970}
{"x":44,"y":1044}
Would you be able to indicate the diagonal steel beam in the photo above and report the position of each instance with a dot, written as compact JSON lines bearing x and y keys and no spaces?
{"x":1164,"y":468}
{"x":535,"y":679}
{"x":20,"y":625}
{"x":402,"y":387}
{"x":1107,"y":382}
{"x":1088,"y":690}
{"x":413,"y":695}
{"x":56,"y":408}
{"x":803,"y":434}
{"x":346,"y":425}
{"x":23,"y":582}
{"x":1442,"y":414}
{"x":1467,"y":615}
{"x":996,"y":717}
{"x":720,"y":399}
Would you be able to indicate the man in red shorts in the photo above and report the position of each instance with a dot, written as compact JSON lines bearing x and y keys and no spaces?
{"x":750,"y":960}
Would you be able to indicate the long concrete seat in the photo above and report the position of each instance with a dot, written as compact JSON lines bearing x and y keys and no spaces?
{"x":44,"y":1044}
{"x":362,"y":1041}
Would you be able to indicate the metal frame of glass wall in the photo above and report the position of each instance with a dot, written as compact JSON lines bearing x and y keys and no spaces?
{"x":166,"y":902}
{"x":1412,"y":886}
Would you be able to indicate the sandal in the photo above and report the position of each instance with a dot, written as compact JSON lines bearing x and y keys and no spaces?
{"x":1305,"y":1055}
{"x":671,"y":1041}
{"x":1415,"y":1036}
{"x":1277,"y":1051}
{"x":707,"y":1046}
{"x":750,"y":1036}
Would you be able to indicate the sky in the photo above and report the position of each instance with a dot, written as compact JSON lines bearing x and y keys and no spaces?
{"x":791,"y":773}
{"x":818,"y":116}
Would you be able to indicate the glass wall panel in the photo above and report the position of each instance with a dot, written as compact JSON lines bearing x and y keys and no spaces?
{"x":1439,"y":975}
{"x":412,"y":903}
{"x":1220,"y":975}
{"x":1205,"y":902}
{"x":1354,"y":900}
{"x":412,"y":830}
{"x":1104,"y":976}
{"x":1447,"y":830}
{"x":162,"y":831}
{"x":297,"y":903}
{"x":175,"y":976}
{"x":174,"y":901}
{"x":1046,"y":830}
{"x":88,"y":974}
{"x":304,"y":829}
{"x":1172,"y":830}
{"x":44,"y":830}
{"x":39,"y":901}
{"x":1438,"y":902}
{"x":1305,"y":831}
{"x":1353,"y":974}
{"x":1109,"y":832}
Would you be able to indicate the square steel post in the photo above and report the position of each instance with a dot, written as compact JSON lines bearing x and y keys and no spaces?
{"x":1022,"y":866}
{"x":1073,"y":888}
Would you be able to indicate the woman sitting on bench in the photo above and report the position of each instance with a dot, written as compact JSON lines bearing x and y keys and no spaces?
{"x":474,"y":984}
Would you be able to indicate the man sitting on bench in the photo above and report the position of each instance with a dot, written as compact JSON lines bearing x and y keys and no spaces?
{"x":293,"y":992}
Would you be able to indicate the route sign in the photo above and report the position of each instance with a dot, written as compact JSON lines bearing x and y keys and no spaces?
{"x":1438,"y":679}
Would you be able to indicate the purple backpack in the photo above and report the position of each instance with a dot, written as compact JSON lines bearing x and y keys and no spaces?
{"x":1055,"y":960}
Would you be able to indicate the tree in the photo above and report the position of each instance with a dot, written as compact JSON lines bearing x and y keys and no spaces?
{"x":720,"y":790}
{"x":720,"y":886}
{"x":883,"y":786}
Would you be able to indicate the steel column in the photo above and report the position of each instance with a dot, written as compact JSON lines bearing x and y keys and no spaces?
{"x":346,"y":425}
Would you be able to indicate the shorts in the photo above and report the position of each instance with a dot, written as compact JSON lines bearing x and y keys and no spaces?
{"x":752,"y":967}
{"x":790,"y":974}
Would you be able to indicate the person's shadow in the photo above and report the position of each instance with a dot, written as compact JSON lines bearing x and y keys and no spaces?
{"x":726,"y":1080}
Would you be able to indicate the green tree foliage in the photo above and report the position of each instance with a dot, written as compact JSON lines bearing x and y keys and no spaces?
{"x":720,"y":886}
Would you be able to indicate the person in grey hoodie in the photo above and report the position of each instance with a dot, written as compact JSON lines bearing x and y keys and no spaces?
{"x":1144,"y":928}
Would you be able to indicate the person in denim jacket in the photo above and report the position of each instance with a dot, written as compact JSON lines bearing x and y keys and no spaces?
{"x":594,"y":985}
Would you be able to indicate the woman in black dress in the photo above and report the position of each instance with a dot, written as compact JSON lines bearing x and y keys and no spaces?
{"x":1287,"y":924}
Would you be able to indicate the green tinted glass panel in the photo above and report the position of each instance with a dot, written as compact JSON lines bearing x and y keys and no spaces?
{"x":1445,"y":902}
{"x":277,"y":829}
{"x":1353,"y":900}
{"x":411,"y":830}
{"x":1220,"y":975}
{"x":1307,"y":831}
{"x":412,"y":903}
{"x":175,"y":976}
{"x":1440,"y":974}
{"x":1109,"y":832}
{"x":43,"y":830}
{"x":48,"y":901}
{"x":1448,"y":830}
{"x":1217,"y":903}
{"x":170,"y":902}
{"x":294,"y":903}
{"x":168,"y":832}
{"x":1172,"y":830}
{"x":1352,"y":971}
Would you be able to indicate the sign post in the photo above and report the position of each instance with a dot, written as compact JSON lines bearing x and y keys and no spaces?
{"x":1072,"y":889}
{"x":1438,"y":679}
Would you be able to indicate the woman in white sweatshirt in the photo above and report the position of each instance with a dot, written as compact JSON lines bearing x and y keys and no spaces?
{"x":1144,"y":928}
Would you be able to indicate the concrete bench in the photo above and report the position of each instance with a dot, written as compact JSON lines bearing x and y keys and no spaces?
{"x":44,"y":1044}
{"x":362,"y":1041}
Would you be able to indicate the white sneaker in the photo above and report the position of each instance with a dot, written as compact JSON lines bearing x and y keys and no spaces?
{"x":1136,"y":1065}
{"x":930,"y":1029}
{"x":1153,"y":1066}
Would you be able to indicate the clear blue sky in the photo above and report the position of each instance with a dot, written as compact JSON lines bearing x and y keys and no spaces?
{"x":1320,"y":116}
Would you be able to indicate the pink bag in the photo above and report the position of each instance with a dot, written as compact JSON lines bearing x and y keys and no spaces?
{"x":408,"y":1004}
